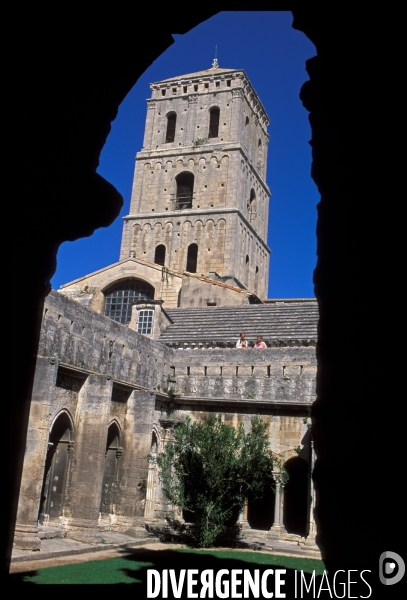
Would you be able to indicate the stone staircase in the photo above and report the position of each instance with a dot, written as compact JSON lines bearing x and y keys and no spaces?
{"x":281,"y":323}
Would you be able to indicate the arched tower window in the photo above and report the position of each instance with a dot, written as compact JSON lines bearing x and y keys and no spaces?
{"x":171,"y":123}
{"x":119,"y":299}
{"x":252,"y":205}
{"x":214,"y":122}
{"x":192,"y":258}
{"x":185,"y":190}
{"x":159,"y":256}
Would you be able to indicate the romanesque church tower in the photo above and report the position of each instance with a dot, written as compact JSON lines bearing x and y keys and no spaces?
{"x":200,"y":200}
{"x":196,"y":234}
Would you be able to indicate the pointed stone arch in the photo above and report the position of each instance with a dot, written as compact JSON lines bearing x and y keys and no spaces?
{"x":113,"y":454}
{"x":152,"y":478}
{"x":57,"y":463}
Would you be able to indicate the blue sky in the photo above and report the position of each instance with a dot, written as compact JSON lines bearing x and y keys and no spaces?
{"x":273,"y":56}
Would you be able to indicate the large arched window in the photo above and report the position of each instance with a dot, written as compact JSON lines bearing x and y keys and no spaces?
{"x":159,"y":256}
{"x":119,"y":299}
{"x":192,"y":258}
{"x":185,"y":190}
{"x":171,"y":123}
{"x":214,"y":122}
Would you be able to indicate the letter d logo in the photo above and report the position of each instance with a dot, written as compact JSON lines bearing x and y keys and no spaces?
{"x":391,"y":568}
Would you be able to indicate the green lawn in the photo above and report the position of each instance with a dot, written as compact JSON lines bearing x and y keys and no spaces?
{"x":132,"y":566}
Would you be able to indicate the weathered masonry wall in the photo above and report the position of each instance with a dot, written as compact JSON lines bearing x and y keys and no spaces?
{"x":223,"y":177}
{"x":90,"y":341}
{"x":92,"y":372}
{"x":216,"y":235}
{"x":242,"y":116}
{"x":90,"y":290}
{"x":270,"y":376}
{"x":103,"y":386}
{"x":276,"y":383}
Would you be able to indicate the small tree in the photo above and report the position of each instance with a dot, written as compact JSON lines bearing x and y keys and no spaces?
{"x":211,"y":468}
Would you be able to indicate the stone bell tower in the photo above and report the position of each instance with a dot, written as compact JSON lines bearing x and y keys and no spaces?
{"x":199,"y":200}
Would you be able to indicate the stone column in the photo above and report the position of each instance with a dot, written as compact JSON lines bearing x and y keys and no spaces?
{"x":311,"y":527}
{"x":242,"y":520}
{"x":163,"y":507}
{"x":191,"y":131}
{"x":150,"y":118}
{"x":134,"y":475}
{"x":278,"y":526}
{"x":150,"y":491}
{"x":237,"y":125}
{"x":26,"y":533}
{"x":85,"y":486}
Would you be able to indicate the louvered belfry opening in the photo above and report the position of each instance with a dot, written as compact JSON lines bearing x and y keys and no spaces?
{"x":185,"y":190}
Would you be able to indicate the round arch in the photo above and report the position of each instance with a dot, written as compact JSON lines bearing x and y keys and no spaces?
{"x":159,"y":255}
{"x":120,"y":296}
{"x":185,"y":190}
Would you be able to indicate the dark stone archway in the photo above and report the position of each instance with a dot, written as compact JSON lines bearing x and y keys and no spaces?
{"x":260,"y":514}
{"x":69,"y":77}
{"x":296,"y":502}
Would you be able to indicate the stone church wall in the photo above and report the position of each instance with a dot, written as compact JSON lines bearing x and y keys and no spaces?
{"x":86,"y":362}
{"x":98,"y":374}
{"x":273,"y":375}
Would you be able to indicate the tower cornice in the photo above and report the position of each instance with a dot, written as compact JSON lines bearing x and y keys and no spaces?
{"x":210,"y":75}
